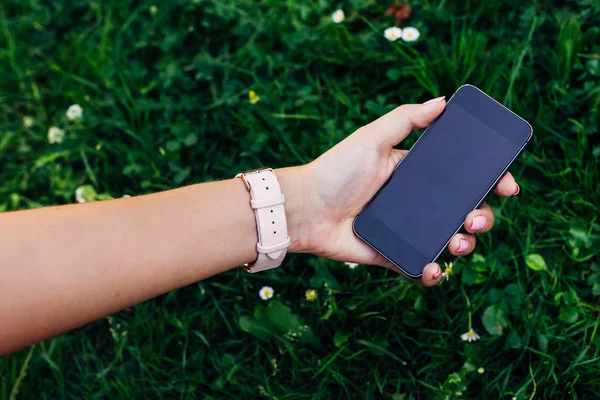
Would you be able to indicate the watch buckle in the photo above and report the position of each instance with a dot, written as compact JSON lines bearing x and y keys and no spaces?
{"x":253,"y":171}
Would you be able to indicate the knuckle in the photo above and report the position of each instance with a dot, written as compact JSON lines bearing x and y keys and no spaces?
{"x":403,"y":108}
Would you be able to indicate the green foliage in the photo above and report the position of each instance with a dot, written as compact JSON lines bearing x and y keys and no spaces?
{"x":277,"y":322}
{"x":536,"y":262}
{"x":165,"y":103}
{"x":494,"y":320}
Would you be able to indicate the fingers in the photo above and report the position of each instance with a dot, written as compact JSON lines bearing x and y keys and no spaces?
{"x":507,"y":186}
{"x":462,"y":244}
{"x":480,"y":220}
{"x":432,"y":274}
{"x":396,"y":125}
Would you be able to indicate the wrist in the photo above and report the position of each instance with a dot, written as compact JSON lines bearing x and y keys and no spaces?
{"x":293,"y":187}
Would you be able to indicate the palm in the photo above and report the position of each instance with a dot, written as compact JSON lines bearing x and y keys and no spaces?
{"x":361,"y":167}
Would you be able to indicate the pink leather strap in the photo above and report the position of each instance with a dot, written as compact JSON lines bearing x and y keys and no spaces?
{"x":267,"y":201}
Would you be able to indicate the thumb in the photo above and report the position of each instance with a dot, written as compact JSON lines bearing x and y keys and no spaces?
{"x":396,"y":125}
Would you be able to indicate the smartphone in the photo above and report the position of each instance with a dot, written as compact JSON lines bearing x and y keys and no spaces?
{"x":448,"y":172}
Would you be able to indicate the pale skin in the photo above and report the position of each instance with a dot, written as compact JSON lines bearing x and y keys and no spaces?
{"x":64,"y":266}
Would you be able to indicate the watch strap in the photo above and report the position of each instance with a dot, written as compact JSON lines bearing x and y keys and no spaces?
{"x":267,"y":202}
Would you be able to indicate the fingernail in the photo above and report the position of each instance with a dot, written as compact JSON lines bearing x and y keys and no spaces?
{"x":463,"y":246}
{"x":435,"y":100}
{"x":518,"y":190}
{"x":479,"y":222}
{"x":437,"y":275}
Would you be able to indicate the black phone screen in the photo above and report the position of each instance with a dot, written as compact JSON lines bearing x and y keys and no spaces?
{"x":444,"y":176}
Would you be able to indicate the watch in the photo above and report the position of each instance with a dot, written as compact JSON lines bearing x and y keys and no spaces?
{"x":267,"y":201}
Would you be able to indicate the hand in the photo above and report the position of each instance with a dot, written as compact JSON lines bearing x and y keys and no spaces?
{"x":347,"y":176}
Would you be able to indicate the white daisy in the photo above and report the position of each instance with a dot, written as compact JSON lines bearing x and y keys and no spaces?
{"x":392,"y":34}
{"x":447,"y":270}
{"x":338,"y":16}
{"x":55,"y":135}
{"x":351,"y":265}
{"x":470,"y":336}
{"x":28,"y":122}
{"x":74,"y":112}
{"x":266,"y":292}
{"x":410,"y":34}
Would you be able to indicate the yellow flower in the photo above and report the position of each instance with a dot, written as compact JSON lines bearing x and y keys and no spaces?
{"x":311,"y":295}
{"x":448,"y":271}
{"x":253,"y":97}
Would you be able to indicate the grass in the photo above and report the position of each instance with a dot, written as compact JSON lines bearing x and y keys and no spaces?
{"x":165,"y":99}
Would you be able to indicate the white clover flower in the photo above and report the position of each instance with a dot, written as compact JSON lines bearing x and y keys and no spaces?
{"x":410,"y":34}
{"x":392,"y":34}
{"x":55,"y":135}
{"x":338,"y":16}
{"x":470,"y":336}
{"x":85,"y":193}
{"x":266,"y":292}
{"x":28,"y":122}
{"x":351,"y":265}
{"x":447,"y":271}
{"x":74,"y":112}
{"x":480,"y":370}
{"x":79,"y":195}
{"x":153,"y":9}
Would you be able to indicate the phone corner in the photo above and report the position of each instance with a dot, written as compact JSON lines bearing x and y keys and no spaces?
{"x":354,"y":225}
{"x":418,"y":276}
{"x":467,"y":85}
{"x":530,"y":134}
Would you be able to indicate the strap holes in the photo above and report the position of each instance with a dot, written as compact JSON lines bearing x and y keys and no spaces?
{"x":263,"y":179}
{"x":271,"y":211}
{"x":274,"y":231}
{"x":273,"y":222}
{"x":267,"y":188}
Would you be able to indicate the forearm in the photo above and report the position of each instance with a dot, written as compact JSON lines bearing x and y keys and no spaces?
{"x":64,"y":266}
